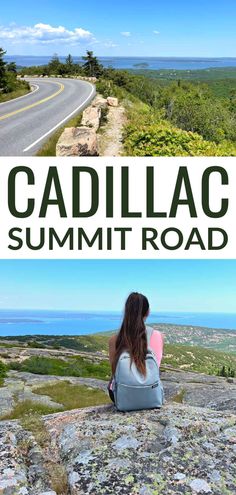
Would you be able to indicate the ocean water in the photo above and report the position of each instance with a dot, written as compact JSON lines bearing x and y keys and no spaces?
{"x":151,"y":63}
{"x":26,"y":322}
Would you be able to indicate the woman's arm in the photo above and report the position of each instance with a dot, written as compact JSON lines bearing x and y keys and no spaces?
{"x":112,"y":349}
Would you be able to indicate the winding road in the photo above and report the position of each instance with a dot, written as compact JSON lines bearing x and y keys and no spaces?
{"x":27,"y":122}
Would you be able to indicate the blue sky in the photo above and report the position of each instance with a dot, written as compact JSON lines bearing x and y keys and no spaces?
{"x":170,"y":285}
{"x":155,"y":28}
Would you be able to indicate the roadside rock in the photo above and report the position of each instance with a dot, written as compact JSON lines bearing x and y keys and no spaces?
{"x":112,"y":102}
{"x":77,"y":141}
{"x":91,"y":117}
{"x":99,"y":101}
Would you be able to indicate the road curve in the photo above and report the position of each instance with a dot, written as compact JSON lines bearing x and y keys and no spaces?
{"x":27,"y":122}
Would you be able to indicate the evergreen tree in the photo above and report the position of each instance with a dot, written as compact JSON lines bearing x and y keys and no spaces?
{"x":91,"y":67}
{"x":69,"y":60}
{"x":3,"y":78}
{"x":11,"y":67}
{"x":226,"y":373}
{"x":54,"y":64}
{"x":69,"y":65}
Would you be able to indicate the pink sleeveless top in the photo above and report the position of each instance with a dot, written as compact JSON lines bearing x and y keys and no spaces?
{"x":157,"y":344}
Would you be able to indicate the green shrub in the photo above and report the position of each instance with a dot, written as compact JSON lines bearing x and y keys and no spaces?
{"x":3,"y":372}
{"x":35,"y":345}
{"x":194,"y":107}
{"x":162,"y":139}
{"x":226,"y":372}
{"x":104,"y":115}
{"x":105,"y":88}
{"x":108,"y":88}
{"x":76,"y":366}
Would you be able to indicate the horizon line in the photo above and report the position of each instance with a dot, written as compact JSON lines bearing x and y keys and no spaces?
{"x":128,"y":56}
{"x":115,"y":310}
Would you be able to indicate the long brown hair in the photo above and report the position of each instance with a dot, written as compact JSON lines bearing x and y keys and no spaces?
{"x":132,"y":335}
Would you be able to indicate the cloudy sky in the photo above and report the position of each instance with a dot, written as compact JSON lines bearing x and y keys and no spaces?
{"x":170,"y":285}
{"x":154,"y":28}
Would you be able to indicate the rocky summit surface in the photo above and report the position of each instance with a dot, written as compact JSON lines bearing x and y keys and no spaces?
{"x":187,"y":447}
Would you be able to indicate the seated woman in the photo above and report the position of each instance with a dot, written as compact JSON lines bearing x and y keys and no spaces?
{"x":135,"y":355}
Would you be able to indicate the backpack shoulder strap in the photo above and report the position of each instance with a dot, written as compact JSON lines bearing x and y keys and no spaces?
{"x":149,"y":331}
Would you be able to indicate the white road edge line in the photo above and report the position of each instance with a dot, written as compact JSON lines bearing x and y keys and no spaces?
{"x":20,"y":97}
{"x":62,"y":121}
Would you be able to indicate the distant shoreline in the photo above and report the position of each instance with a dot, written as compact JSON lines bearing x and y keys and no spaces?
{"x":136,"y":62}
{"x":160,"y":325}
{"x":174,"y":334}
{"x":35,"y":322}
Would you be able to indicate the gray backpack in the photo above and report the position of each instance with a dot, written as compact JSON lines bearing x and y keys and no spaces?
{"x":134,"y":391}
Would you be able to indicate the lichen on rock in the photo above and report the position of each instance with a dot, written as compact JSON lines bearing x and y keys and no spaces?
{"x":186,"y":447}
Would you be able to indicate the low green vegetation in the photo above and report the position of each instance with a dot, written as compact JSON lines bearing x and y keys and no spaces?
{"x":208,"y":338}
{"x":194,"y":108}
{"x":207,"y":350}
{"x":19,"y":88}
{"x":75,"y":366}
{"x":164,"y":139}
{"x":93,"y":343}
{"x":204,"y":111}
{"x":179,"y":397}
{"x":74,"y":396}
{"x":32,"y":421}
{"x":157,"y":131}
{"x":3,"y":372}
{"x":69,"y":396}
{"x":56,"y":472}
{"x":193,"y":358}
{"x":185,"y":357}
{"x":227,"y":372}
{"x":205,"y":75}
{"x":30,"y":416}
{"x":27,"y":407}
{"x":10,"y":86}
{"x":8,"y":345}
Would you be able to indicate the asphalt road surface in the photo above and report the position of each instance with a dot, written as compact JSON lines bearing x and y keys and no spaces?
{"x":27,"y":122}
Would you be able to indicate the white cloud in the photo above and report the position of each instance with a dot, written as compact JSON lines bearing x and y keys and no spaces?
{"x":156,"y":32}
{"x":110,"y":44}
{"x":127,"y":34}
{"x":44,"y":34}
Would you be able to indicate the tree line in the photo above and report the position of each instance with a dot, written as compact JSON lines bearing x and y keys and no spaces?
{"x":8,"y":74}
{"x":90,"y":68}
